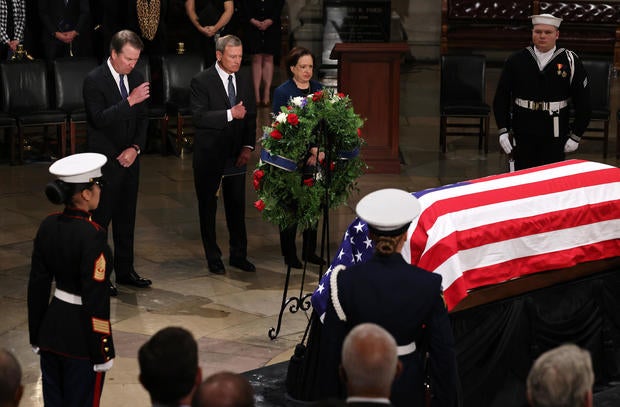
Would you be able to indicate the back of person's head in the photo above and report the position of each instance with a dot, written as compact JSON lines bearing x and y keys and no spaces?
{"x":561,"y":377}
{"x":11,"y":388}
{"x":169,"y":365}
{"x":369,"y":361}
{"x":224,"y":389}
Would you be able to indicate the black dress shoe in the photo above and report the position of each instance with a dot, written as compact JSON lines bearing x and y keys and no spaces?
{"x":293,"y":262}
{"x":132,"y":278}
{"x":243,"y":264}
{"x":314,"y":259}
{"x":113,"y":290}
{"x":216,"y":266}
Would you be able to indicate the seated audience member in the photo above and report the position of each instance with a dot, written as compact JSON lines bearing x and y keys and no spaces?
{"x":561,"y":377}
{"x":369,"y":365}
{"x":11,"y":388}
{"x":169,"y":368}
{"x":224,"y":389}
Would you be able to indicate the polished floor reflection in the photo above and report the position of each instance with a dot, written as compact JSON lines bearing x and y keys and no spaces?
{"x":230,"y":315}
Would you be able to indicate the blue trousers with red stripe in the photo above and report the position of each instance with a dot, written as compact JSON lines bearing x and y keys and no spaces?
{"x":69,"y":382}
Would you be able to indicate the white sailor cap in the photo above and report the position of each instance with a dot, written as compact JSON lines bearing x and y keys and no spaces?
{"x":78,"y":168}
{"x":547,"y":19}
{"x":388,"y":211}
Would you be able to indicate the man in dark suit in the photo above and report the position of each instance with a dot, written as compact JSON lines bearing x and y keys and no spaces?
{"x":114,"y":96}
{"x":66,"y":28}
{"x":224,"y":115}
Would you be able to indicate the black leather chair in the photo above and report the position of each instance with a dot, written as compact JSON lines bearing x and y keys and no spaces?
{"x":26,"y":97}
{"x":177,"y":72}
{"x":599,"y":79}
{"x":157,"y":110}
{"x":69,"y":74}
{"x":463,"y":99}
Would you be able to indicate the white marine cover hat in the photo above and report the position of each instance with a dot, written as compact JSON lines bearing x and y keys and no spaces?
{"x":547,"y":19}
{"x":388,"y":211}
{"x":78,"y":168}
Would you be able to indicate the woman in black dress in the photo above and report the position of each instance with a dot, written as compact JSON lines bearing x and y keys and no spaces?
{"x":262,"y":41}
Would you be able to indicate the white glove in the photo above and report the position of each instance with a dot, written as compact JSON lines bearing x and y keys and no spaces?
{"x":570,"y":146}
{"x":504,"y":141}
{"x":35,"y":349}
{"x":104,"y":367}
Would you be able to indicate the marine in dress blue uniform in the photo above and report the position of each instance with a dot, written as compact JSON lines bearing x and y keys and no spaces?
{"x":403,"y":299}
{"x":535,"y":89}
{"x":72,"y":332}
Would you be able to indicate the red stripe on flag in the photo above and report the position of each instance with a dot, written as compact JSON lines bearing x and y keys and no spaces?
{"x":514,"y":228}
{"x":497,"y":273}
{"x":520,"y":191}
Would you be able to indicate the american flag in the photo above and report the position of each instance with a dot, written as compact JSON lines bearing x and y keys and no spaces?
{"x":497,"y":228}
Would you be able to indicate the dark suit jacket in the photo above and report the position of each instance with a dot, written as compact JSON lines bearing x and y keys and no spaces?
{"x":75,"y":16}
{"x":112,"y":124}
{"x":215,"y":135}
{"x":72,"y":250}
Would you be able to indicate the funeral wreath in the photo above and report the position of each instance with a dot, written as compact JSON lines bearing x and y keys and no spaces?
{"x":291,"y":192}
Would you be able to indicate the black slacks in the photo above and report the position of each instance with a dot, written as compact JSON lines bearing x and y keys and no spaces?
{"x":119,"y":197}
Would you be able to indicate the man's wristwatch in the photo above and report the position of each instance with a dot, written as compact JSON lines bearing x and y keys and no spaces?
{"x":136,"y":147}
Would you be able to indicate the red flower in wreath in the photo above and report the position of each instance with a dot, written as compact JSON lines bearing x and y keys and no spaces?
{"x":292,"y":119}
{"x":340,"y":95}
{"x":260,"y":205}
{"x":332,"y":166}
{"x":316,"y":96}
{"x":275,"y":133}
{"x":258,"y":175}
{"x":359,"y":132}
{"x":309,"y":182}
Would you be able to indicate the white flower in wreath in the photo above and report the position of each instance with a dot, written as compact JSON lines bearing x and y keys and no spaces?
{"x":281,"y":117}
{"x":299,"y":101}
{"x":333,"y":99}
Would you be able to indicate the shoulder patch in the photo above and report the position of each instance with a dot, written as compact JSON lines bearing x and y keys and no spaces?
{"x":99,"y":268}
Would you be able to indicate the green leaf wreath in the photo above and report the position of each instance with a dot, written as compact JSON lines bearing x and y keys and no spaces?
{"x":287,"y":195}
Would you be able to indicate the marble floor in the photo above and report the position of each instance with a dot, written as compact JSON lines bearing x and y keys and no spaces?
{"x":230,"y":315}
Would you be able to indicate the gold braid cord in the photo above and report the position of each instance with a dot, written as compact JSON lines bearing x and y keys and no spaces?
{"x":148,"y":17}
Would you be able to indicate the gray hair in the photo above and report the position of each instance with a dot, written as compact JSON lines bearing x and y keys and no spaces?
{"x":369,"y":357}
{"x":560,"y":377}
{"x":227,"y":41}
{"x":10,"y":376}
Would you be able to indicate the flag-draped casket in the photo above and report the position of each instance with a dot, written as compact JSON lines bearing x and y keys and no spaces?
{"x":499,"y":228}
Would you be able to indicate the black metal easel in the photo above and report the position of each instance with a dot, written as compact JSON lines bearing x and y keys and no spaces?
{"x":302,"y":301}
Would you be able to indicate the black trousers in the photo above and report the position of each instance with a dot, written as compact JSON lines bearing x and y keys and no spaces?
{"x":206,"y":183}
{"x":69,"y":382}
{"x":288,"y":246}
{"x":119,"y":197}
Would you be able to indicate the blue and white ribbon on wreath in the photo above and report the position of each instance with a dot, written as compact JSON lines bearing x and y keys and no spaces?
{"x":277,"y":160}
{"x":348,"y":155}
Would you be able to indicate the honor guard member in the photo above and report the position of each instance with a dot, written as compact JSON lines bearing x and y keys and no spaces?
{"x":403,"y":299}
{"x":71,"y":333}
{"x":532,"y":100}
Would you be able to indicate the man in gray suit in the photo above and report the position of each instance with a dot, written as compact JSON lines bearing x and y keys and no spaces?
{"x":224,"y":115}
